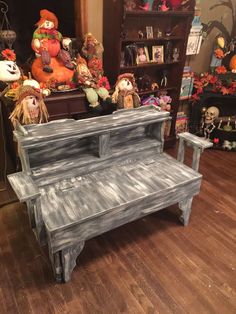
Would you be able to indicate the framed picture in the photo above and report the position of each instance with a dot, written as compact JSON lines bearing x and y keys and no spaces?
{"x":149,"y":31}
{"x":143,"y":55}
{"x":158,"y":54}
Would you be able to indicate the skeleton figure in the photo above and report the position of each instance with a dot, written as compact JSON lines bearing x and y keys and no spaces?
{"x":208,"y":126}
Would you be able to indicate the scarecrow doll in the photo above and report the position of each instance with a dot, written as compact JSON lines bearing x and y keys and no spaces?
{"x":125,"y":94}
{"x":90,"y":84}
{"x":47,"y":42}
{"x":30,"y":107}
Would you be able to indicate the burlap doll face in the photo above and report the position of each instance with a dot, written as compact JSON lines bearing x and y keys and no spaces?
{"x":32,"y":103}
{"x":47,"y":24}
{"x":83,"y":70}
{"x":125,"y":84}
{"x":9,"y":71}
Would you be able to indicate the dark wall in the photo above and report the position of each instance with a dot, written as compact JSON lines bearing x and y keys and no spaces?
{"x":23,"y":14}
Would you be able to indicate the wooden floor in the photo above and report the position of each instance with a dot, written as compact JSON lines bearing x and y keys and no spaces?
{"x":153,"y":265}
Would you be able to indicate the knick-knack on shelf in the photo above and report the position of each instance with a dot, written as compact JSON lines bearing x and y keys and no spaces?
{"x":176,"y":55}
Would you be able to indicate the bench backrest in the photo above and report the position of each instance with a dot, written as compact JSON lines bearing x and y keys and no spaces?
{"x":63,"y":145}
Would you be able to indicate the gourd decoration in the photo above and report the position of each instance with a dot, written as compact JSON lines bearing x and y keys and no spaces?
{"x":53,"y":62}
{"x":125,"y":94}
{"x":30,"y":107}
{"x":36,"y":85}
{"x":232,"y":64}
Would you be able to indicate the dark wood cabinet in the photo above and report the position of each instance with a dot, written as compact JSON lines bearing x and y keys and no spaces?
{"x":170,"y":31}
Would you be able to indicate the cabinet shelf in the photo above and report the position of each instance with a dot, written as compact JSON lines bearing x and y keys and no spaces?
{"x":149,"y":64}
{"x":170,"y":13}
{"x":146,"y":40}
{"x":122,"y":27}
{"x":146,"y":92}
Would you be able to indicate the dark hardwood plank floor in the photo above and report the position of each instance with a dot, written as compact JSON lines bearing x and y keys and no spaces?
{"x":153,"y":265}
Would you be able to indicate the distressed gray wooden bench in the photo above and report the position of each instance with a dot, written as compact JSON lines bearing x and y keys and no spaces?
{"x":83,"y":178}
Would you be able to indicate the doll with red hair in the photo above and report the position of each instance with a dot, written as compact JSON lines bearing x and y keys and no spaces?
{"x":47,"y":41}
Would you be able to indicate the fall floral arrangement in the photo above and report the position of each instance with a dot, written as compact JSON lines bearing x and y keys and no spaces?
{"x":8,"y":54}
{"x":218,"y":82}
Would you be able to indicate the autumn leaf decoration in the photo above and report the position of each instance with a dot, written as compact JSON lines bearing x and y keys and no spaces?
{"x":216,"y":82}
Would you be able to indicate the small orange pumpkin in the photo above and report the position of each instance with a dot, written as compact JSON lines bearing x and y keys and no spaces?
{"x":232,"y":63}
{"x":60,"y":73}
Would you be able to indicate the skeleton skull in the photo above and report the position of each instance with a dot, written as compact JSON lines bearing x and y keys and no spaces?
{"x":211,"y":114}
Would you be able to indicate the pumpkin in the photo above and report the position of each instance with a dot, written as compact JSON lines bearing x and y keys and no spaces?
{"x":232,"y":63}
{"x":53,"y":46}
{"x":60,"y":73}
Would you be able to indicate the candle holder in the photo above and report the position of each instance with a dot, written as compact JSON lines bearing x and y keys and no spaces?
{"x":7,"y":35}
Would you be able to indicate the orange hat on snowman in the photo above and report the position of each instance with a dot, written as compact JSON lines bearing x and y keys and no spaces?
{"x":46,"y":15}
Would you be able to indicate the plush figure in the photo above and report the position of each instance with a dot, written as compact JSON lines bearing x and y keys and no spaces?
{"x":125,"y":95}
{"x":91,"y":47}
{"x":90,"y":84}
{"x":47,"y":42}
{"x":151,"y":101}
{"x":30,"y":107}
{"x":165,"y":102}
{"x":92,"y":50}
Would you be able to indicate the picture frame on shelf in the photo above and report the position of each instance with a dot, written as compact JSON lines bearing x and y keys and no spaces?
{"x":142,"y":55}
{"x":149,"y":32}
{"x":158,"y":54}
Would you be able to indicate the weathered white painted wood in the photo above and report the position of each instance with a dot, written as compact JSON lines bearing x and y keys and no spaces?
{"x":195,"y":140}
{"x":83,"y":178}
{"x":24,"y":186}
{"x":198,"y":144}
{"x":52,"y":132}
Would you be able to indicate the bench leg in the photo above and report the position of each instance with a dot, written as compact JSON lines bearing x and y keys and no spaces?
{"x":64,"y":261}
{"x":185,"y":206}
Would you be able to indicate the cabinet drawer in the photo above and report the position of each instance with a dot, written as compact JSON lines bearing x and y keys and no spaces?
{"x":57,"y":108}
{"x":77,"y":106}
